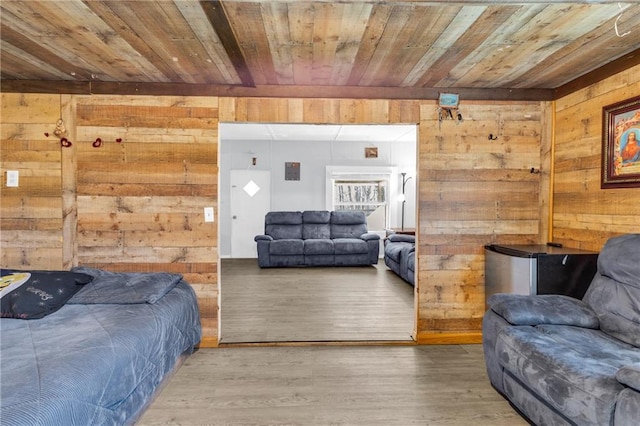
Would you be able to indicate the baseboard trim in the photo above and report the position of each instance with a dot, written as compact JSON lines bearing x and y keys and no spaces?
{"x":429,"y":338}
{"x":209,"y":342}
{"x":320,"y":343}
{"x":462,"y":338}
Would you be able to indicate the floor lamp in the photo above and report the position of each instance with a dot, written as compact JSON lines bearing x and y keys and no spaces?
{"x":402,"y":197}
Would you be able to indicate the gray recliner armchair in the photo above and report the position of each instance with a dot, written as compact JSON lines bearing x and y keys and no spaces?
{"x":565,"y":361}
{"x":400,"y":255}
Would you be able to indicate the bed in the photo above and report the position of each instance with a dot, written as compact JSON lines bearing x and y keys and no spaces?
{"x":101,"y":355}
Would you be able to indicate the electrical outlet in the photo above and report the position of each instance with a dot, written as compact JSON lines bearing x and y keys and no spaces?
{"x":208,"y":214}
{"x":13,"y":178}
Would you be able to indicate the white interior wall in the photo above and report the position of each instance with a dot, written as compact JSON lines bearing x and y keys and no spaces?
{"x":314,"y":156}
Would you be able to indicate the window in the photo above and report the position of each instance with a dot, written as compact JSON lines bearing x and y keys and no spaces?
{"x":359,"y":195}
{"x":364,"y":190}
{"x":367,"y":196}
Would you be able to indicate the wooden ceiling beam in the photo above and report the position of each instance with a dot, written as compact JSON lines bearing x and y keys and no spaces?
{"x":616,"y":66}
{"x":336,"y":92}
{"x":412,"y":93}
{"x":220,"y":23}
{"x":46,"y":86}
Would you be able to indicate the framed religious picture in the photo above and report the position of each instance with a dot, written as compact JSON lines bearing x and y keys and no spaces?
{"x":621,"y":144}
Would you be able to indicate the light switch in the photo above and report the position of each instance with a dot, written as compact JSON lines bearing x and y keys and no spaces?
{"x":12,"y":178}
{"x":208,"y":214}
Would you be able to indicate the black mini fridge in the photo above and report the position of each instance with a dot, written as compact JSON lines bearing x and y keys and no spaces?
{"x":538,"y":269}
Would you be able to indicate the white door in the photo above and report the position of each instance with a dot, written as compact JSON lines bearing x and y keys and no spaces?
{"x":250,"y":201}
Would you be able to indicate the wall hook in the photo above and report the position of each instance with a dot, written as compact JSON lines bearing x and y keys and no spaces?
{"x":492,"y":137}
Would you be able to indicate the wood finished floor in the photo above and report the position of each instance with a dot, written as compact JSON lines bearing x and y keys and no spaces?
{"x":332,"y":385}
{"x":368,"y":303}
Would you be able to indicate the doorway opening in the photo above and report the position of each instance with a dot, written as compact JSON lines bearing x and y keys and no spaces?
{"x":313,"y":304}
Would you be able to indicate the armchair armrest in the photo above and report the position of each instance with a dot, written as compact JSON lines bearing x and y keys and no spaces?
{"x":404,"y":238}
{"x":543,"y":309}
{"x":263,"y":238}
{"x":370,"y":236}
{"x":630,"y":376}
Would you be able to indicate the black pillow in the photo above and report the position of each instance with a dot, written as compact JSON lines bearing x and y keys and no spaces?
{"x":35,"y":294}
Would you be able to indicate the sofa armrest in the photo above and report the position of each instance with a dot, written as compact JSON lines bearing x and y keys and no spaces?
{"x":630,"y":376}
{"x":543,"y":309}
{"x":263,"y":238}
{"x":401,"y":238}
{"x":370,"y":236}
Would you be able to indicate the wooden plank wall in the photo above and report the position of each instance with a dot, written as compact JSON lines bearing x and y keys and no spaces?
{"x":138,"y":203}
{"x":585,"y":215}
{"x":31,"y":219}
{"x":474,"y":191}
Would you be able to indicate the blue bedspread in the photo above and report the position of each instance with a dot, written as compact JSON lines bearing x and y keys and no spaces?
{"x":123,"y":287}
{"x":93,"y":364}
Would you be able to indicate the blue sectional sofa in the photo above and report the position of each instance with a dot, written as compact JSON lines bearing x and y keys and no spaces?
{"x":399,"y":256}
{"x":565,"y":361}
{"x":316,"y":238}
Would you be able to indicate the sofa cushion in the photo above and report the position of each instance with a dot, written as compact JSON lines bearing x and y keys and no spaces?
{"x":283,"y":225}
{"x":286,"y":247}
{"x":411,"y":260}
{"x":348,"y":217}
{"x":284,"y":232}
{"x":283,"y":218}
{"x":348,"y":224}
{"x":316,"y":231}
{"x":395,"y":250}
{"x":316,"y":216}
{"x":316,"y":224}
{"x":318,"y":246}
{"x":620,"y":260}
{"x":573,"y":369}
{"x":556,"y":309}
{"x":627,"y":407}
{"x":350,"y":246}
{"x":401,"y":238}
{"x":407,"y":265}
{"x":630,"y":375}
{"x":614,"y":293}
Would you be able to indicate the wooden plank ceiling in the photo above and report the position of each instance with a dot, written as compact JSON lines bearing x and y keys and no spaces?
{"x":375,"y":48}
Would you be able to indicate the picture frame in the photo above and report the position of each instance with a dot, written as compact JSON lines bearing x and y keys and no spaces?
{"x":371,"y":152}
{"x":291,"y":170}
{"x":448,"y":100}
{"x":621,"y":144}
